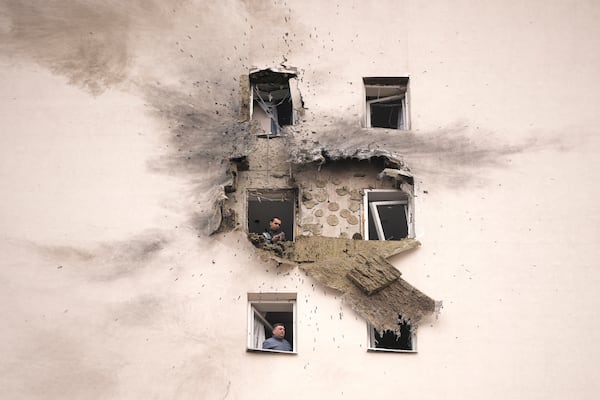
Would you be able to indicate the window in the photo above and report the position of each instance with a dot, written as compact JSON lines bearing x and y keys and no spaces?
{"x":386,"y":103}
{"x":273,"y":95}
{"x":388,"y":215}
{"x":266,"y":310}
{"x":402,"y":340}
{"x":266,"y":204}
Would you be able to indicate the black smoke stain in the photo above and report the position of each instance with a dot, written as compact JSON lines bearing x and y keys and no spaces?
{"x":89,"y":42}
{"x":452,"y":156}
{"x":95,"y":46}
{"x":202,"y":137}
{"x":110,"y":260}
{"x":83,"y":40}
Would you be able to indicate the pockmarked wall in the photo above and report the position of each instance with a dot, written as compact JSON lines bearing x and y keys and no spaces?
{"x":117,"y":126}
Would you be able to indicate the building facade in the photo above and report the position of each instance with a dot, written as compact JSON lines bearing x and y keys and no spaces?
{"x":144,"y":143}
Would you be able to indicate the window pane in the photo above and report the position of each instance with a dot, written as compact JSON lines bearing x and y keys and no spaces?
{"x":393,"y":221}
{"x":386,"y":115}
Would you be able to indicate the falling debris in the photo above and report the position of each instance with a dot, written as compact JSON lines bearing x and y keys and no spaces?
{"x":373,"y":274}
{"x":378,"y":295}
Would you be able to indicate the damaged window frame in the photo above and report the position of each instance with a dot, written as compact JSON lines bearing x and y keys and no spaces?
{"x":284,"y":83}
{"x":395,"y":95}
{"x":390,"y":197}
{"x":372,"y":341}
{"x":275,"y":301}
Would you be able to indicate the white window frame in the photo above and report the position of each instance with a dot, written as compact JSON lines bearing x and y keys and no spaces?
{"x":372,"y":347}
{"x":371,"y":208}
{"x":277,"y":300}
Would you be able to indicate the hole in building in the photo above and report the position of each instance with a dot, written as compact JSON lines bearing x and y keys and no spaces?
{"x":386,"y":102}
{"x":266,"y":204}
{"x":271,"y":99}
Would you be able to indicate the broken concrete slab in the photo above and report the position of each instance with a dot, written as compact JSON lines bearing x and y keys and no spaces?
{"x":330,"y":261}
{"x":373,"y":274}
{"x":397,"y":174}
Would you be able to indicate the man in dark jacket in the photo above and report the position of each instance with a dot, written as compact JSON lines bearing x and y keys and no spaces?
{"x":273,"y":234}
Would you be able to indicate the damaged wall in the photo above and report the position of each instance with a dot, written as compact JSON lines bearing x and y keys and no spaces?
{"x":118,"y":123}
{"x":331,"y":195}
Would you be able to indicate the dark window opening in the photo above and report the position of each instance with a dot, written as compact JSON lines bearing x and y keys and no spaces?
{"x":386,"y":102}
{"x":388,"y":215}
{"x":272,"y":106}
{"x":266,"y":310}
{"x":284,"y":112}
{"x":266,"y":204}
{"x":402,"y":339}
{"x":387,"y":114}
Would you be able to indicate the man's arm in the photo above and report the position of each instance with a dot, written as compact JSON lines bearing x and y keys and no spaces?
{"x":278,"y":237}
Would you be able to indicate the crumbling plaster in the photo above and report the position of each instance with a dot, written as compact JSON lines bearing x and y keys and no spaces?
{"x":330,"y":189}
{"x":331,"y":195}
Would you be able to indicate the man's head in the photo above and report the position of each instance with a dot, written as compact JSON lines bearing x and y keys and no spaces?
{"x":275,"y":223}
{"x":279,"y":331}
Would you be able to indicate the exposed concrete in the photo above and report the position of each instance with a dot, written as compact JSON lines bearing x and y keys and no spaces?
{"x":352,"y":219}
{"x":332,"y":220}
{"x":373,"y":274}
{"x":333,"y":206}
{"x":331,"y":192}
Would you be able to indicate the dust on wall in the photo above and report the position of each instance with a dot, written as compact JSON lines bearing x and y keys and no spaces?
{"x":200,"y":107}
{"x":328,"y":212}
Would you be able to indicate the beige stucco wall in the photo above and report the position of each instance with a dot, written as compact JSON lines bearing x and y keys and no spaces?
{"x":114,"y":123}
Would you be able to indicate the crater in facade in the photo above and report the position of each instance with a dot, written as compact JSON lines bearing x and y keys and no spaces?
{"x":343,"y":213}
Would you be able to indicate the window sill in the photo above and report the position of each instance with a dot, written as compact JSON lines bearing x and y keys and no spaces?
{"x":249,"y":350}
{"x":380,"y":350}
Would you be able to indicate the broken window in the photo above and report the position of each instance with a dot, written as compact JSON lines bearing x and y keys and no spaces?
{"x":401,"y":340}
{"x":266,"y":204}
{"x":264,"y":311}
{"x":388,"y":215}
{"x":386,"y":103}
{"x":273,"y":98}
